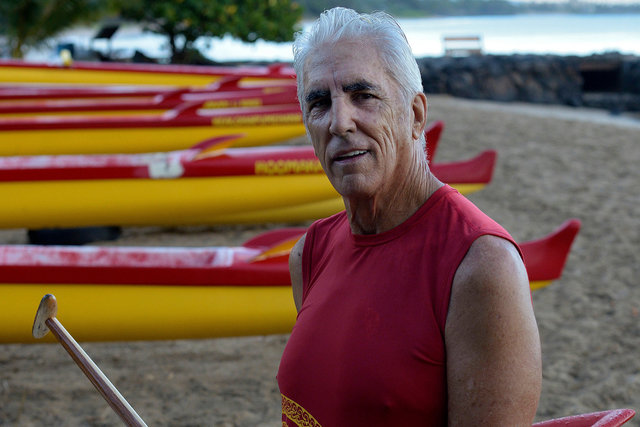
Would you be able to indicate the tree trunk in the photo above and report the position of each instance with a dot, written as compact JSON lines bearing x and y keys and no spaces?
{"x":16,"y":49}
{"x":182,"y":55}
{"x":173,"y":46}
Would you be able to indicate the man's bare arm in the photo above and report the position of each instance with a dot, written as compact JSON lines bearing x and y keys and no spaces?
{"x":493,"y":347}
{"x":295,"y":270}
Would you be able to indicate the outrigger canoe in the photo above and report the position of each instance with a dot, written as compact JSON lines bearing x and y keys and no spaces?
{"x":110,"y":73}
{"x":609,"y":418}
{"x":142,"y":293}
{"x":218,"y":97}
{"x":218,"y":186}
{"x":11,"y":93}
{"x":176,"y":129}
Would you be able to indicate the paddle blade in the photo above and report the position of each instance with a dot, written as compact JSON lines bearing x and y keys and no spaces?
{"x":47,"y":309}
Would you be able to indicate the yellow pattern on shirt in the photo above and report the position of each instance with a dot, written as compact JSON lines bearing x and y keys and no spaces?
{"x":297,"y":414}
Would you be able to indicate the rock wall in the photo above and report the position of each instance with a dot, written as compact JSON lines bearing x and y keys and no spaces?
{"x":605,"y":81}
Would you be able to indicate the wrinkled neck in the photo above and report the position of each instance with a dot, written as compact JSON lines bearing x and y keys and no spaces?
{"x":396,"y":203}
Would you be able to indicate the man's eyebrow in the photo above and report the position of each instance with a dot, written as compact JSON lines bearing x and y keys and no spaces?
{"x":316,"y":94}
{"x":360,"y":85}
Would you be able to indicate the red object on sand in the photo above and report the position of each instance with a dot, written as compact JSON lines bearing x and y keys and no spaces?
{"x":432,"y":134}
{"x":610,"y":418}
{"x":548,"y":255}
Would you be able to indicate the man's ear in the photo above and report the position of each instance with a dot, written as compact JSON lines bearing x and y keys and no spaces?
{"x":419,"y":108}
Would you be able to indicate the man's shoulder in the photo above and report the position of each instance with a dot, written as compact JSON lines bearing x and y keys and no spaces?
{"x":453,"y":219}
{"x":491,"y":261}
{"x":465,"y":216}
{"x":329,"y":224}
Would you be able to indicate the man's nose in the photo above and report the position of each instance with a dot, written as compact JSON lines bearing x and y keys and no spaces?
{"x":342,"y":117}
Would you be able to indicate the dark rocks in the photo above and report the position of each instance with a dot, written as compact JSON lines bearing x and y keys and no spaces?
{"x":542,"y":79}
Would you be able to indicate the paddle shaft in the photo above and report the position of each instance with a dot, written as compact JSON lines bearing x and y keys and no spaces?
{"x":95,"y":375}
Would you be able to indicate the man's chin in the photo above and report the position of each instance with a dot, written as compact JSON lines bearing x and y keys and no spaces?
{"x":355,"y":190}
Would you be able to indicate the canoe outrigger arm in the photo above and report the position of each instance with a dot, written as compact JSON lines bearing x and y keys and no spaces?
{"x":46,"y":321}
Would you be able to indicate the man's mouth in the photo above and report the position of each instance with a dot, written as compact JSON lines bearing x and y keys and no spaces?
{"x":350,"y":155}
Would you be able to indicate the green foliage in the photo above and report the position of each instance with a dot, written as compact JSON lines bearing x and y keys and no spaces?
{"x":183,"y":21}
{"x":413,"y":7}
{"x":29,"y":23}
{"x":405,"y":8}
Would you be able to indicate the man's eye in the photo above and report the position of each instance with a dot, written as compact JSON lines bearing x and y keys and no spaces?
{"x":363,"y":96}
{"x":319,"y":104}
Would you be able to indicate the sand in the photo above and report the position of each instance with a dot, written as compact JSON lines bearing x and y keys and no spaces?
{"x":554,"y":163}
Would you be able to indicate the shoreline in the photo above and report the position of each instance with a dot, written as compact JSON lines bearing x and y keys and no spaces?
{"x":557,"y":111}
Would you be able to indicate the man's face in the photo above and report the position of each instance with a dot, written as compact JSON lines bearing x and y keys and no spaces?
{"x":358,"y":121}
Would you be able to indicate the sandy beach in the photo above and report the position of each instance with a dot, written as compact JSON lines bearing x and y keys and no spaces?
{"x":554,"y":163}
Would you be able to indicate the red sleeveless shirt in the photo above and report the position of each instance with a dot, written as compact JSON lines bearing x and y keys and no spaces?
{"x":368,"y":345}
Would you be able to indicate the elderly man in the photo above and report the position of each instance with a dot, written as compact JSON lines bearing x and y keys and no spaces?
{"x":413,"y":306}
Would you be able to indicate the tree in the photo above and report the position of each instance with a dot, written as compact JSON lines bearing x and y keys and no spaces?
{"x":30,"y":23}
{"x":184,"y":21}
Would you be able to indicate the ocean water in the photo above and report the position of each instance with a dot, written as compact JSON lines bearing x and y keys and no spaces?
{"x":561,"y":34}
{"x":538,"y":34}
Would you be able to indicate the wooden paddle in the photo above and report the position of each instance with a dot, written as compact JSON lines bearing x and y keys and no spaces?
{"x":46,"y":320}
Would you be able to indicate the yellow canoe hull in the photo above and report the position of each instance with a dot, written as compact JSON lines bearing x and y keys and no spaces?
{"x":143,"y":312}
{"x":70,"y":76}
{"x":137,"y":140}
{"x":183,"y":201}
{"x":304,"y":211}
{"x":98,"y":113}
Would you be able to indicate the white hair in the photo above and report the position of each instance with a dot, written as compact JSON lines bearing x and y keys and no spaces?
{"x":341,"y":23}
